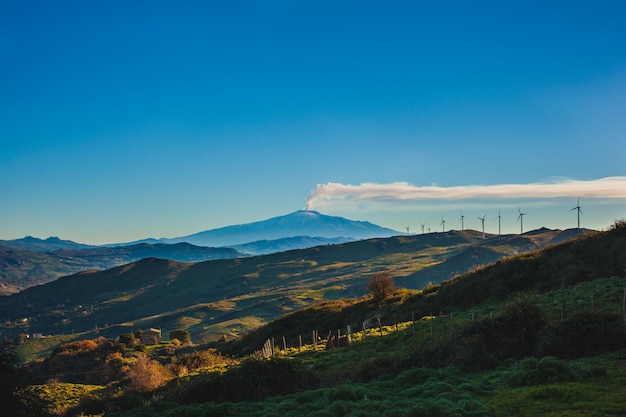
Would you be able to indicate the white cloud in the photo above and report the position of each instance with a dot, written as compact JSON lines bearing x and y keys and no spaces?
{"x":335,"y":193}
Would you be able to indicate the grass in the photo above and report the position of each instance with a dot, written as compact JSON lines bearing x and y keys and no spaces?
{"x":601,"y":395}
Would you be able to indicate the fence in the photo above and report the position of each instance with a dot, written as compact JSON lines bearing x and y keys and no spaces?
{"x":440,"y":325}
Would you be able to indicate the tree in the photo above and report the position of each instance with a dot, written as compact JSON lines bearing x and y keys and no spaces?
{"x":182,"y":335}
{"x":128,"y":339}
{"x":380,"y":285}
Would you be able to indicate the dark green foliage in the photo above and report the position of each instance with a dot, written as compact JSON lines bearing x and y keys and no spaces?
{"x":533,"y":371}
{"x":586,"y":333}
{"x":251,"y":380}
{"x":127,"y":339}
{"x":182,"y":335}
{"x":10,"y":381}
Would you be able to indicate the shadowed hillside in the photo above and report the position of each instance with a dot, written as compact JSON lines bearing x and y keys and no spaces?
{"x":231,"y":296}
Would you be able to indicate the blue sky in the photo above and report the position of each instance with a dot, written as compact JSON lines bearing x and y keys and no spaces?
{"x":124,"y":120}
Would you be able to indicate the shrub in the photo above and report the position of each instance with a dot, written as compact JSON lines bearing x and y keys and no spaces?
{"x":127,"y":339}
{"x":533,"y":371}
{"x":252,"y":380}
{"x":182,"y":335}
{"x":144,"y":376}
{"x":380,"y":284}
{"x":583,"y":334}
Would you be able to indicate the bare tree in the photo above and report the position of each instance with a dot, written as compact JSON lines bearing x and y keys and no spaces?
{"x":380,"y":285}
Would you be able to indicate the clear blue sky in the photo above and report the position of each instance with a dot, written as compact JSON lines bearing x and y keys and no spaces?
{"x":121,"y":120}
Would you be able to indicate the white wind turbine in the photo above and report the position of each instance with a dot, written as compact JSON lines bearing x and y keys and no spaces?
{"x":577,"y":208}
{"x":443,"y":224}
{"x":482,"y":219}
{"x":407,"y":230}
{"x":520,"y":218}
{"x":462,"y":225}
{"x":422,"y":224}
{"x":499,"y":220}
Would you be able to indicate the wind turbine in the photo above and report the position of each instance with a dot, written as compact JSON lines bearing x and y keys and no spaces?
{"x":407,"y":230}
{"x":579,"y":211}
{"x":462,"y":226}
{"x":520,"y":218}
{"x":443,"y":223}
{"x":422,"y":224}
{"x":499,"y":219}
{"x":482,"y":219}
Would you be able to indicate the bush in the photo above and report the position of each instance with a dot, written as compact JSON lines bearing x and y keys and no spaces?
{"x":533,"y":371}
{"x":127,"y":339}
{"x":584,"y":334}
{"x":380,"y":284}
{"x":145,"y":376}
{"x":182,"y":335}
{"x":251,"y":380}
{"x":511,"y":335}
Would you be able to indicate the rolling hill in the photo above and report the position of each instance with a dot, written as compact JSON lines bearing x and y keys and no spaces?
{"x":231,"y":296}
{"x":20,"y":268}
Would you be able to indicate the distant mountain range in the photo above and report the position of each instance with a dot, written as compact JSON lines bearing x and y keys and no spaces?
{"x":32,"y":261}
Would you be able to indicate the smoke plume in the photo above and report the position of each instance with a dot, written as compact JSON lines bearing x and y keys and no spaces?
{"x":330,"y":193}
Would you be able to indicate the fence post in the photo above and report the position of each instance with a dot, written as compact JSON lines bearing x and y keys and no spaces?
{"x":591,"y":301}
{"x":451,"y":330}
{"x":380,"y":327}
{"x":300,"y":342}
{"x":365,"y":332}
{"x":285,"y":344}
{"x":624,"y":304}
{"x":431,"y":324}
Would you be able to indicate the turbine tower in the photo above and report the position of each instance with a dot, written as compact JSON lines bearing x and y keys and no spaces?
{"x":577,"y":208}
{"x":482,"y":219}
{"x":422,"y":224}
{"x":443,"y":224}
{"x":520,"y":218}
{"x":462,"y":225}
{"x":407,"y":230}
{"x":499,"y":220}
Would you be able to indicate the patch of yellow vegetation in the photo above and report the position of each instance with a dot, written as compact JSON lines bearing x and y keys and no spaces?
{"x":223,"y":305}
{"x":318,"y":294}
{"x":187,"y":322}
{"x":234,"y":327}
{"x":336,"y":265}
